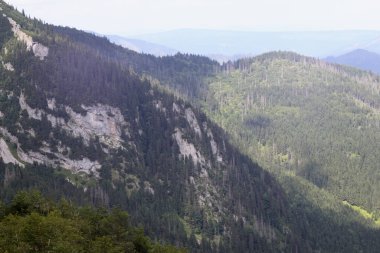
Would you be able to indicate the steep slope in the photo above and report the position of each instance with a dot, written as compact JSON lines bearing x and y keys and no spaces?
{"x":344,"y":183}
{"x":359,"y":58}
{"x":71,"y":112}
{"x":84,"y":118}
{"x":317,"y":120}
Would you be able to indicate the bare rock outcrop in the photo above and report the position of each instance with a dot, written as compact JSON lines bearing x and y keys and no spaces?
{"x":214,"y":146}
{"x":7,"y":155}
{"x":188,"y":149}
{"x":103,"y":121}
{"x":33,"y":113}
{"x":38,"y":49}
{"x":100,"y":121}
{"x":193,"y":122}
{"x":76,"y":166}
{"x":8,"y":66}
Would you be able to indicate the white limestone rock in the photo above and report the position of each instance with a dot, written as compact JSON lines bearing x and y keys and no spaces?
{"x":8,"y":66}
{"x":33,"y":113}
{"x":7,"y":155}
{"x":76,"y":166}
{"x":101,"y":121}
{"x":214,"y":146}
{"x":52,"y":104}
{"x":176,"y":108}
{"x":188,"y":149}
{"x":148,"y":188}
{"x":4,"y":132}
{"x":38,"y":49}
{"x":85,"y":165}
{"x":193,"y":122}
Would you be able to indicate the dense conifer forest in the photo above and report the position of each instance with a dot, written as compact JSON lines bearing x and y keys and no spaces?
{"x":174,"y":142}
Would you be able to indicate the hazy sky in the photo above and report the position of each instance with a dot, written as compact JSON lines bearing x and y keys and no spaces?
{"x":129,"y":17}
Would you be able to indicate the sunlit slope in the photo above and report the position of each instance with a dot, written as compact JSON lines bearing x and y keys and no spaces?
{"x":320,"y":121}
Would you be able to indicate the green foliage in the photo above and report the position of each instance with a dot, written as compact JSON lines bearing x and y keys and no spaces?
{"x":31,"y":223}
{"x":319,"y":120}
{"x":364,"y":213}
{"x":10,"y":106}
{"x":5,"y":29}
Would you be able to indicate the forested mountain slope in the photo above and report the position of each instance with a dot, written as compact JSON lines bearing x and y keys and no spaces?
{"x":77,"y":122}
{"x":83,"y":118}
{"x":317,"y":120}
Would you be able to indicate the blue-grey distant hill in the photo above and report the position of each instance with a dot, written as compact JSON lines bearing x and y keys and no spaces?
{"x":359,"y":58}
{"x":142,"y":46}
{"x":230,"y":43}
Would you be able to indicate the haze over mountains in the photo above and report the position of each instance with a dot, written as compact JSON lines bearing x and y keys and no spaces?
{"x":232,"y":45}
{"x":142,"y":46}
{"x":359,"y":49}
{"x":358,"y":58}
{"x":316,"y":44}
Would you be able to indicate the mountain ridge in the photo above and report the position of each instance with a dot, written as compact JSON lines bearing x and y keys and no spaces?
{"x":263,"y":112}
{"x":359,"y":58}
{"x":316,"y":44}
{"x":141,"y":46}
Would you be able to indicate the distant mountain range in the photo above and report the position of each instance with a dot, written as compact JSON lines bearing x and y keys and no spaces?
{"x":230,"y":46}
{"x":141,"y":46}
{"x":224,"y":46}
{"x":358,"y":58}
{"x":231,"y":43}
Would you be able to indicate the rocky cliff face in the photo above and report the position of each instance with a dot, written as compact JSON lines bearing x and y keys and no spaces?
{"x":7,"y":155}
{"x":98,"y":121}
{"x":38,"y":49}
{"x":108,"y":126}
{"x":101,"y":122}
